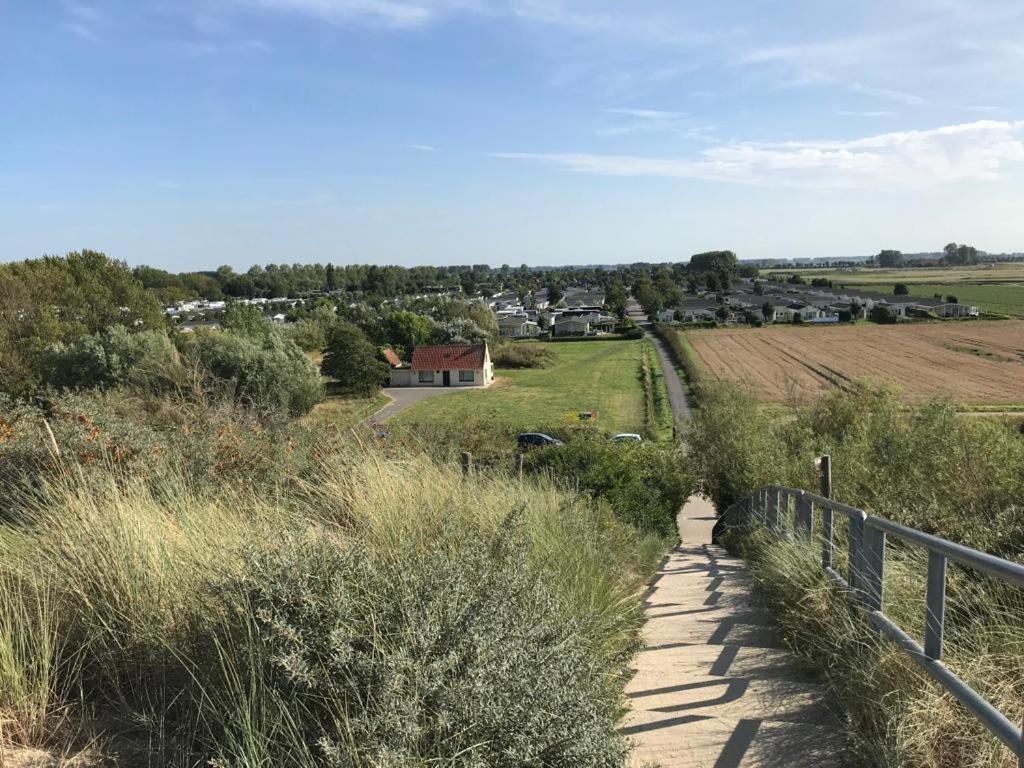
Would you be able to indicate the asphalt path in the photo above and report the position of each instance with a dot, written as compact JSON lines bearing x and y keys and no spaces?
{"x":677,"y":399}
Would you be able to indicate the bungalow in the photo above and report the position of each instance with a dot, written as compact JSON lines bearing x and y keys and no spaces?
{"x":450,"y":365}
{"x":571,"y":326}
{"x":696,"y":311}
{"x":517,"y":327}
{"x":667,"y":316}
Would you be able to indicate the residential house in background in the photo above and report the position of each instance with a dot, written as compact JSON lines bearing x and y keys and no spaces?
{"x":447,"y":365}
{"x":518,"y":327}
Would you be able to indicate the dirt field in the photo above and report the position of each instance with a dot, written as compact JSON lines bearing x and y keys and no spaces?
{"x":972,"y":362}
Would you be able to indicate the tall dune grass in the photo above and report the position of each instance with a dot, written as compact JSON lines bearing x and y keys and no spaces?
{"x":374,"y":611}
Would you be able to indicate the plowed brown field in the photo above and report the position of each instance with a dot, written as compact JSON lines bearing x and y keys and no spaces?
{"x":972,"y":362}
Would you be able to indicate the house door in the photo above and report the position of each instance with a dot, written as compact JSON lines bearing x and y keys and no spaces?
{"x":446,"y":378}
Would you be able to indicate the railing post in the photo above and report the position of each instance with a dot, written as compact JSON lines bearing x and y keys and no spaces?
{"x":873,"y":560}
{"x":467,"y":462}
{"x":774,"y":504}
{"x":935,"y":605}
{"x":826,"y":512}
{"x":517,"y":466}
{"x":856,"y":538}
{"x":804,"y":521}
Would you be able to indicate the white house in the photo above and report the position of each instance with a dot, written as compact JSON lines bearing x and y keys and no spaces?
{"x":667,"y":316}
{"x":449,"y":365}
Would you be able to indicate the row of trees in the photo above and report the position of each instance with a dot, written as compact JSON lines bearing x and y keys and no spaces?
{"x":953,"y":255}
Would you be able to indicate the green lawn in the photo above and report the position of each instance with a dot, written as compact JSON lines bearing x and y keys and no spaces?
{"x":602,"y":376}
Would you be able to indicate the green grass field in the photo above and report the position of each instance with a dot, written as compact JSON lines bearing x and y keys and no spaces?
{"x":602,"y":376}
{"x":997,"y":288}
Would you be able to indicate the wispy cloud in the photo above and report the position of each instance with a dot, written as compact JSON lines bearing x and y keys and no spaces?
{"x":82,"y":20}
{"x":978,"y":151}
{"x":421,"y":147}
{"x":889,"y":94}
{"x":656,"y":121}
{"x":393,"y":13}
{"x":865,"y":113}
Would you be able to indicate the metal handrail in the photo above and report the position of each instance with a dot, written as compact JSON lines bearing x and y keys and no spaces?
{"x":866,"y":571}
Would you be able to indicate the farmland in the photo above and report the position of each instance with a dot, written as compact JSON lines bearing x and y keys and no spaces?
{"x":601,"y":376}
{"x":999,"y":288}
{"x":974,"y":363}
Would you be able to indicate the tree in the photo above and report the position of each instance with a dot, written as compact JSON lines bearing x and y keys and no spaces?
{"x":615,"y":298}
{"x":758,"y":288}
{"x":351,"y":359}
{"x":331,"y":278}
{"x":882,"y":315}
{"x":714,"y":261}
{"x":403,"y":329}
{"x":889,"y":258}
{"x":722,"y":313}
{"x":900,"y":289}
{"x":768,"y":310}
{"x":960,"y":255}
{"x":951,"y":299}
{"x":245,"y":320}
{"x":556,"y":292}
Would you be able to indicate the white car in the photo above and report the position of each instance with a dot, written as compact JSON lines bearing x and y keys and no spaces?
{"x":627,"y":437}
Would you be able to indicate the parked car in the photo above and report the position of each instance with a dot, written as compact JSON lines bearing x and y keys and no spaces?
{"x":627,"y":437}
{"x":536,"y":440}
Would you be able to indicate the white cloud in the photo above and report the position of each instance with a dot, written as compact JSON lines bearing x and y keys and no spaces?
{"x":976,"y":151}
{"x":421,"y":147}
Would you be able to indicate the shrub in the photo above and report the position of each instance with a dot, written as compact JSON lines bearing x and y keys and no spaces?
{"x":641,"y":482}
{"x":882,"y":315}
{"x":900,"y":289}
{"x":268,"y":374}
{"x":146,"y":360}
{"x":520,"y":355}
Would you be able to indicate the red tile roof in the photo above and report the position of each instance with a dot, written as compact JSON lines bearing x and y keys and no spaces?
{"x":448,"y":357}
{"x":391,"y":357}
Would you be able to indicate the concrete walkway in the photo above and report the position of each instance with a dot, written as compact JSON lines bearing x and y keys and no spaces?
{"x":713,"y":687}
{"x":673,"y":382}
{"x":404,"y":397}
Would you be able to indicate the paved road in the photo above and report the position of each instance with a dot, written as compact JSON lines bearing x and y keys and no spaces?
{"x":403,"y":397}
{"x":676,"y":390}
{"x":713,"y":686}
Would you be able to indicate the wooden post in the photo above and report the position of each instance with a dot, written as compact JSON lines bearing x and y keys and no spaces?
{"x":518,"y":465}
{"x":467,"y":462}
{"x":826,"y":476}
{"x":826,"y":512}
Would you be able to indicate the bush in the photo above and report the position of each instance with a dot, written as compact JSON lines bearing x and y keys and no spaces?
{"x":882,"y":315}
{"x":520,"y":355}
{"x":146,"y":361}
{"x":268,"y":374}
{"x":641,"y":482}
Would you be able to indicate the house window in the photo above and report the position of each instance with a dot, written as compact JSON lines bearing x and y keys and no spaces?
{"x":466,"y":376}
{"x":426,"y":377}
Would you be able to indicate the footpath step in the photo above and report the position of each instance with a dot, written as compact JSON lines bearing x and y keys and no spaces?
{"x":713,"y":686}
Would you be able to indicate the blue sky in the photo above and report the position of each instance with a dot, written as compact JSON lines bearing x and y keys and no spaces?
{"x":193,"y":133}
